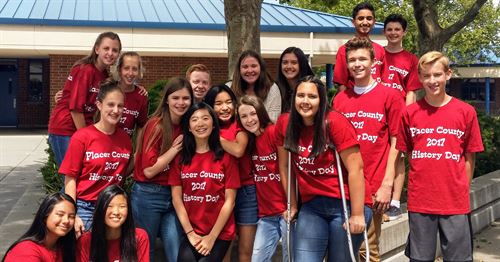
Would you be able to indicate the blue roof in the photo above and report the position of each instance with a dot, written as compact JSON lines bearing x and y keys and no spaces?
{"x":166,"y":14}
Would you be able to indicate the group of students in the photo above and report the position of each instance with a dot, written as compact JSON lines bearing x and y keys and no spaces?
{"x":258,"y":159}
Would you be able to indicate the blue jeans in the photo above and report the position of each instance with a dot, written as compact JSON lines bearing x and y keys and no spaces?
{"x":246,"y":210}
{"x":269,"y":231}
{"x":319,"y":230}
{"x":59,"y":145}
{"x":153,"y":211}
{"x":85,"y":210}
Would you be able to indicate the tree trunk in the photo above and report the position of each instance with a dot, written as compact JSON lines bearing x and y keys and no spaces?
{"x":431,"y":35}
{"x":243,"y":28}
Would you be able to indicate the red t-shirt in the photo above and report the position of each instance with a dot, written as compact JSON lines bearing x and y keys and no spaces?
{"x":203,"y":183}
{"x":401,"y":71}
{"x":319,"y":176}
{"x":341,"y":73}
{"x":436,"y":139}
{"x":271,"y":197}
{"x":375,"y":116}
{"x":96,"y":160}
{"x":229,"y":132}
{"x":135,"y":111}
{"x":113,"y":246}
{"x":29,"y":251}
{"x":147,"y":158}
{"x":79,"y":95}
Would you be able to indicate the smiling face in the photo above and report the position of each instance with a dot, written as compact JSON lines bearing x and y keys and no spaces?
{"x":200,"y":82}
{"x":249,"y":119}
{"x":394,"y":33}
{"x":433,"y":77}
{"x":179,"y":102}
{"x":116,"y":213}
{"x":107,"y":52}
{"x":307,"y":102}
{"x":359,"y":63}
{"x":223,"y":106}
{"x":129,"y":72}
{"x":290,"y":66}
{"x":250,"y":70}
{"x":201,"y":124}
{"x":363,"y":22}
{"x":61,"y":219}
{"x":111,"y":107}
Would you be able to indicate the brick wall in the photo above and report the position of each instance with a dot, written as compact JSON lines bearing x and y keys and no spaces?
{"x":32,"y":114}
{"x":156,"y":68}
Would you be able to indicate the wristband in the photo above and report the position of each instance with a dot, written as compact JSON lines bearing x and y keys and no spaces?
{"x":189,"y":232}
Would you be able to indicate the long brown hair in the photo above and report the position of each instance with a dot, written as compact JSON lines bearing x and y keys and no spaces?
{"x":165,"y":127}
{"x":262,"y":85}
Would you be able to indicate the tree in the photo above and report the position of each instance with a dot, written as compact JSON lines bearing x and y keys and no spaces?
{"x":243,"y":28}
{"x":463,"y":38}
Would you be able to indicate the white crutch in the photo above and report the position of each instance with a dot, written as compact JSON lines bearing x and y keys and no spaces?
{"x":288,"y":207}
{"x":346,"y":215}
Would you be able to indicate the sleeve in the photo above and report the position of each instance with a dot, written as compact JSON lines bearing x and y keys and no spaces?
{"x":24,"y":251}
{"x":273,"y":103}
{"x":473,"y":141}
{"x":279,"y":130}
{"x":393,"y":110}
{"x":342,"y":132}
{"x":412,"y":81}
{"x":81,"y":81}
{"x":82,"y":248}
{"x":72,"y":163}
{"x":340,"y":72}
{"x":174,"y":175}
{"x":403,"y":141}
{"x":143,"y":113}
{"x":142,"y":245}
{"x":231,"y":172}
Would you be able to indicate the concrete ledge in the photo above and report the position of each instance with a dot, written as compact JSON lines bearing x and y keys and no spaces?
{"x":485,"y":205}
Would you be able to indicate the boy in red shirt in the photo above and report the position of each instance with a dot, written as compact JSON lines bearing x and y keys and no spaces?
{"x":441,"y":136}
{"x":399,"y":72}
{"x":363,"y":19}
{"x":375,"y":111}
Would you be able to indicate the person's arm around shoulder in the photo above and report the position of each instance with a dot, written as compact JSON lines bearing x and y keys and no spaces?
{"x":237,"y":147}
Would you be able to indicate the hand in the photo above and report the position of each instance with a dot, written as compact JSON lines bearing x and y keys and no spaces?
{"x":177,"y":144}
{"x":194,"y":239}
{"x":382,"y":199}
{"x":293,"y":214}
{"x":79,"y":227}
{"x":205,"y":245}
{"x":356,"y":224}
{"x":58,"y":96}
{"x":142,"y":90}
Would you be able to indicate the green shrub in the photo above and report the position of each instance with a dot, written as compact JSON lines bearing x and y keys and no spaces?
{"x":155,"y":92}
{"x":488,"y":160}
{"x":52,"y":181}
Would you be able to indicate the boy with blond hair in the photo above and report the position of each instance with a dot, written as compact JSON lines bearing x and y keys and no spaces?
{"x":441,"y":136}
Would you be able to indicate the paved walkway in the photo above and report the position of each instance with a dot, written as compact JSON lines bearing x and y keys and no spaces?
{"x":22,"y":154}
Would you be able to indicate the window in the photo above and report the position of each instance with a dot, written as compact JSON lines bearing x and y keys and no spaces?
{"x":35,"y":88}
{"x":474,"y":89}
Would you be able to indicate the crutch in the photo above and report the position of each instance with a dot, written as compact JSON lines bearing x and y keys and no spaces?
{"x":288,"y":206}
{"x":346,"y":215}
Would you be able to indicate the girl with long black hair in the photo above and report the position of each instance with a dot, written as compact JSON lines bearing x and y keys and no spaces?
{"x":204,"y":183}
{"x":51,"y":236}
{"x":114,"y":236}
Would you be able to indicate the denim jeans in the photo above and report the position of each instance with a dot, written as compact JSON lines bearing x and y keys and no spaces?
{"x":85,"y":210}
{"x":319,"y":230}
{"x":59,"y":145}
{"x":269,"y":231}
{"x":246,"y":210}
{"x":153,"y":211}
